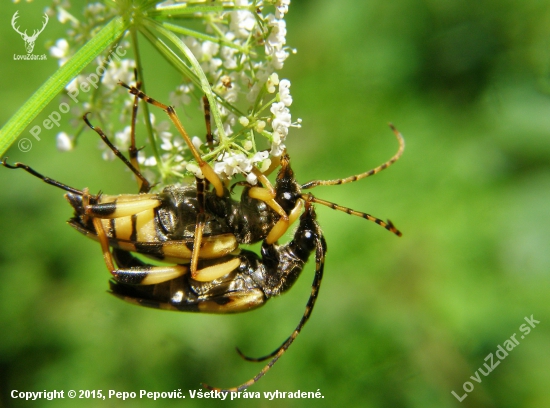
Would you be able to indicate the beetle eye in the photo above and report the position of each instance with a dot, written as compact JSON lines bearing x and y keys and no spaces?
{"x":307,"y":240}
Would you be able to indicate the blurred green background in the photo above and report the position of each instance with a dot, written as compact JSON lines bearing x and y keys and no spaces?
{"x":399,"y":322}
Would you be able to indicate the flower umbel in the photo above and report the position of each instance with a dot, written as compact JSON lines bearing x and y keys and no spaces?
{"x":226,"y":50}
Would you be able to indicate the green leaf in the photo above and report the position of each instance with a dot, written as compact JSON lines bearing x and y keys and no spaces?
{"x":55,"y":84}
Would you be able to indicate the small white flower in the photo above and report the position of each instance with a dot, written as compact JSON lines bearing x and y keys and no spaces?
{"x":150,"y":161}
{"x":63,"y":16}
{"x":251,"y":178}
{"x":260,"y":156}
{"x":242,"y":21}
{"x":277,"y":37}
{"x":72,"y":87}
{"x":194,"y":46}
{"x":228,"y":57}
{"x":277,"y":149}
{"x":193,"y":168}
{"x":64,"y":142}
{"x":230,"y":164}
{"x":228,"y":88}
{"x":265,"y":165}
{"x":260,"y":126}
{"x":281,"y":8}
{"x":197,"y":142}
{"x":282,"y":120}
{"x":107,"y":154}
{"x":212,"y":66}
{"x":284,"y":92}
{"x":279,"y":57}
{"x":122,"y":138}
{"x":243,"y":120}
{"x":227,"y":128}
{"x":208,"y":50}
{"x":95,"y":8}
{"x":163,"y":130}
{"x":272,"y":82}
{"x":60,"y":51}
{"x":119,"y":71}
{"x":181,"y":96}
{"x":146,"y":161}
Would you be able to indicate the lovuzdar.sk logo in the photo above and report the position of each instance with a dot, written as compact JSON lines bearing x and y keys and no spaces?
{"x":29,"y":39}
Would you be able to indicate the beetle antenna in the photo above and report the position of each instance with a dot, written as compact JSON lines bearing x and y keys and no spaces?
{"x":41,"y":177}
{"x":388,"y":225}
{"x":396,"y":156}
{"x":145,"y":186}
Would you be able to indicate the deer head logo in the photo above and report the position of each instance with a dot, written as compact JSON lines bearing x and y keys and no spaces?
{"x":29,"y":40}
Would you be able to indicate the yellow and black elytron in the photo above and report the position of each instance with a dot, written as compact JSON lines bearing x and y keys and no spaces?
{"x":199,"y":230}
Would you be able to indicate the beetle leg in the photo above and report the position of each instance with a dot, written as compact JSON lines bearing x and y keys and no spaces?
{"x":123,"y":205}
{"x":211,"y":247}
{"x":209,"y":136}
{"x":149,"y":275}
{"x":145,"y":185}
{"x":216,"y":269}
{"x":199,"y":226}
{"x":286,"y":220}
{"x":267,"y":194}
{"x":206,"y":169}
{"x":146,"y":275}
{"x":132,"y":150}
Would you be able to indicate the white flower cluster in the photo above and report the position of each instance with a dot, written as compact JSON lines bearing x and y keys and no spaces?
{"x":241,"y":64}
{"x":230,"y":164}
{"x":238,"y":49}
{"x":282,"y":120}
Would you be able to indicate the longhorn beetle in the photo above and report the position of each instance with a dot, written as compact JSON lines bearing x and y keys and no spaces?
{"x":200,"y":229}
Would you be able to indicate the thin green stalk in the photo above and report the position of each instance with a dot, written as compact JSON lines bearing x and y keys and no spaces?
{"x":218,"y":40}
{"x":204,"y":84}
{"x":182,"y":9}
{"x":181,"y":66}
{"x":169,"y":55}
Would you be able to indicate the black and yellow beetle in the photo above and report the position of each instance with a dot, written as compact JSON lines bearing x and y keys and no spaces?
{"x":200,"y":232}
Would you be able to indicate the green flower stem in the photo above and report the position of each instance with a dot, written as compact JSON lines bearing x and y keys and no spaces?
{"x":201,"y":36}
{"x":55,"y":84}
{"x":204,"y":84}
{"x":180,"y":65}
{"x":169,"y":55}
{"x":177,"y":10}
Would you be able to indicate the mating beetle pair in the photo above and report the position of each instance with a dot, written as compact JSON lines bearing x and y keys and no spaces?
{"x":199,"y":228}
